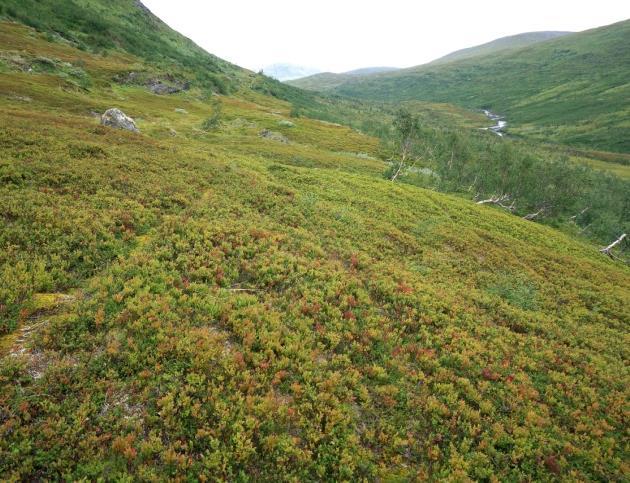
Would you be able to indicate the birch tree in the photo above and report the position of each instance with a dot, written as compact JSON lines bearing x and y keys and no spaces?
{"x":407,"y":128}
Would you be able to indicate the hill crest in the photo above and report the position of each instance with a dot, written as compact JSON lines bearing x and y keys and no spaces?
{"x":500,"y":44}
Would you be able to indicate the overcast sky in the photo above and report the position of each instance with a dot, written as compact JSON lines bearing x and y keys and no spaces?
{"x":340,"y":35}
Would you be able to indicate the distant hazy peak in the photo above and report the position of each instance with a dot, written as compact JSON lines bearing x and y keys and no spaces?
{"x":285,"y":72}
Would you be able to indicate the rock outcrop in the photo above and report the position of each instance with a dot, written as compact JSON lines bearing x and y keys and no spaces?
{"x":117,"y":119}
{"x":161,"y":87}
{"x":163,"y":84}
{"x":274,"y":136}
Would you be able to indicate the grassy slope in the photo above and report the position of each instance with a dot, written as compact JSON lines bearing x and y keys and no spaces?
{"x":247,"y":307}
{"x":573,"y":89}
{"x":615,"y":163}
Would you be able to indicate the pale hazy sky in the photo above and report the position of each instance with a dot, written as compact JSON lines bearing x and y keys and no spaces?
{"x":340,"y":35}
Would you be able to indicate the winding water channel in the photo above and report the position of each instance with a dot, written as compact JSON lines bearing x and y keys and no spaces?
{"x":500,"y":122}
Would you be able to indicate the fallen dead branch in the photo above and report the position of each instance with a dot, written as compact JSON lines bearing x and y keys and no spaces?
{"x":533,"y":216}
{"x":499,"y":200}
{"x":608,"y":250}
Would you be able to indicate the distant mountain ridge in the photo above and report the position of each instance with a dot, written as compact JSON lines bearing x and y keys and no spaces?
{"x":370,"y":70}
{"x":323,"y":81}
{"x":328,"y":80}
{"x":500,"y":44}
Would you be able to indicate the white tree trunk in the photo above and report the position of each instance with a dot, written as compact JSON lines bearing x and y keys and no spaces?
{"x":608,"y":250}
{"x":499,"y":201}
{"x":533,"y":216}
{"x":401,"y":164}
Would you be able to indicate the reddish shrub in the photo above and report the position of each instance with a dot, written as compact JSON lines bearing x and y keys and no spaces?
{"x":489,"y":375}
{"x":348,"y":315}
{"x":219,"y":276}
{"x":551,"y":463}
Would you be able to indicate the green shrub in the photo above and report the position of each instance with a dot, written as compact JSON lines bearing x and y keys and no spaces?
{"x":214,"y":121}
{"x":515,"y":290}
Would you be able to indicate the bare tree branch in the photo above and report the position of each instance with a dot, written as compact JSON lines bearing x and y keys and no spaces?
{"x":580,"y":213}
{"x":499,"y":200}
{"x":585,"y":228}
{"x":533,"y":216}
{"x":608,"y":250}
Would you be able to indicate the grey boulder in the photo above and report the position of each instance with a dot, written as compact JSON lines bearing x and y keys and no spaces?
{"x":274,"y":136}
{"x":117,"y":119}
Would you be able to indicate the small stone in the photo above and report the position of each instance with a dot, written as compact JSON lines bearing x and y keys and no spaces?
{"x":22,"y":98}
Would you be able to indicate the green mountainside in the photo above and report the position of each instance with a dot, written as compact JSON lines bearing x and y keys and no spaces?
{"x":573,"y":89}
{"x":98,"y":25}
{"x":237,"y":293}
{"x":325,"y":81}
{"x":518,"y":41}
{"x":322,"y":82}
{"x":371,"y":70}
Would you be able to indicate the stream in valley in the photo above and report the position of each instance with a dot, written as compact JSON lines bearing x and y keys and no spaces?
{"x":500,"y":123}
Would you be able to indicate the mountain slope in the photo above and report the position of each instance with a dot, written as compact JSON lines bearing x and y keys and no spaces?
{"x":124,"y":24}
{"x":504,"y":43}
{"x":328,"y":80}
{"x":214,"y":303}
{"x":371,"y":70}
{"x":573,"y":89}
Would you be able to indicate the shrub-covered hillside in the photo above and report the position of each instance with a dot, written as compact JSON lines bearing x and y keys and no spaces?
{"x":237,"y":294}
{"x":96,"y":25}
